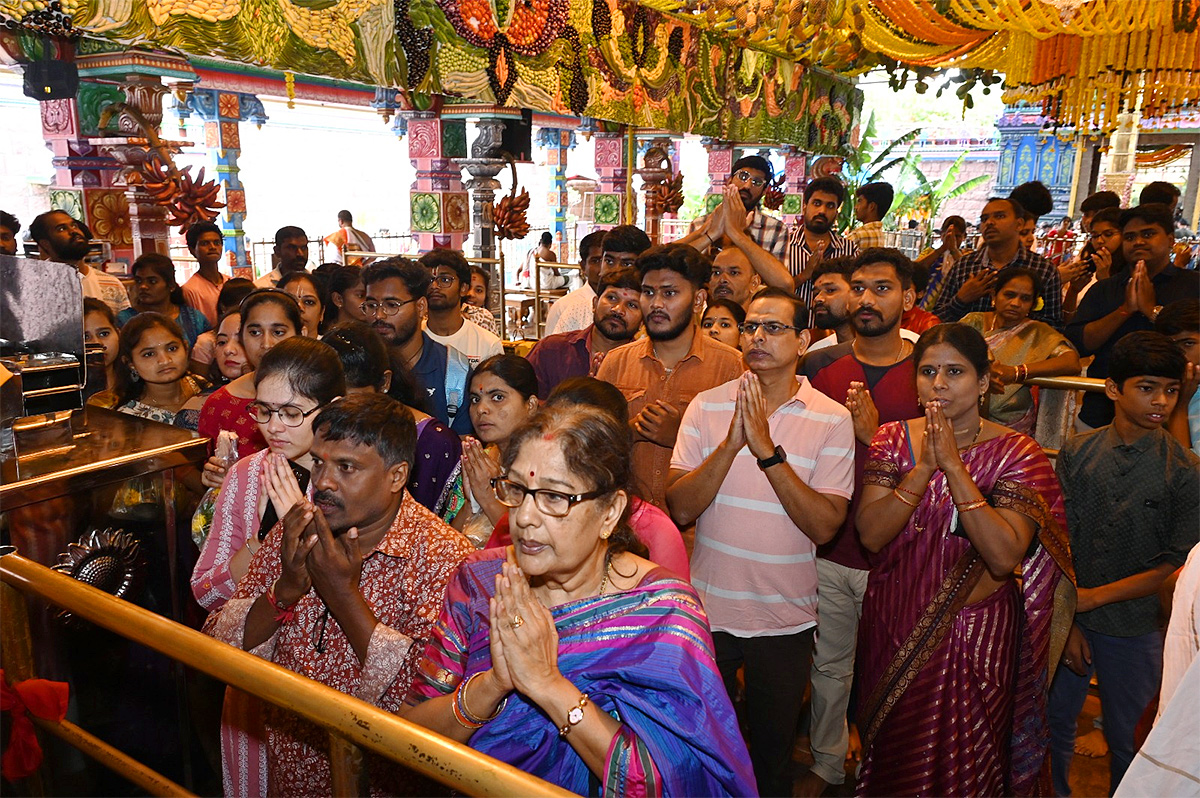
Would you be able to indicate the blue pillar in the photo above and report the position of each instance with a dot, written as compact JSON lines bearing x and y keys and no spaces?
{"x":222,"y":111}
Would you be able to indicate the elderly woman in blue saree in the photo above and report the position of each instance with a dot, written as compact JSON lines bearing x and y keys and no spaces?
{"x":566,"y":654}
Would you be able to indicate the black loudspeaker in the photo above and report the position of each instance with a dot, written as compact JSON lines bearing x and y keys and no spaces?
{"x":517,"y":140}
{"x":51,"y":80}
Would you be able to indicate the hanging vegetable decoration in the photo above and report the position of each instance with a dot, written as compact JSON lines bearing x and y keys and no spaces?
{"x":665,"y":197}
{"x":509,"y":214}
{"x":187,"y":200}
{"x":774,"y":194}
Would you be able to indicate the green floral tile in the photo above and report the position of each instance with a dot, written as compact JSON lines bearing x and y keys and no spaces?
{"x":793,"y":205}
{"x":68,"y":200}
{"x":426,"y":213}
{"x":608,"y":209}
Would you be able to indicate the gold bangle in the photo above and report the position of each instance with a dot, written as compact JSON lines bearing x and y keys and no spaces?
{"x":967,"y":507}
{"x":903,"y":500}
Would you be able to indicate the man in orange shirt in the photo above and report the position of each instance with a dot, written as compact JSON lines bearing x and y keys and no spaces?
{"x":660,"y":373}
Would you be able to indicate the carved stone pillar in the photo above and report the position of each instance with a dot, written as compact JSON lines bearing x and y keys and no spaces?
{"x":439,"y":206}
{"x":483,"y":167}
{"x":795,"y":170}
{"x":222,"y":111}
{"x":656,"y":168}
{"x":610,"y":167}
{"x":117,"y":211}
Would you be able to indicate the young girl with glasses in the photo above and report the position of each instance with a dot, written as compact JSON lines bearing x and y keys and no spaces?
{"x":292,"y":383}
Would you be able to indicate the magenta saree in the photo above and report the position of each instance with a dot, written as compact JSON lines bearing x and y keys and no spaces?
{"x":954,"y":695}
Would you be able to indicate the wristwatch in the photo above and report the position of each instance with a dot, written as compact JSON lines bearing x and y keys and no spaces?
{"x":780,"y":456}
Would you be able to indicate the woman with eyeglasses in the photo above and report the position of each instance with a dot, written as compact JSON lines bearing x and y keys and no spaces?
{"x":293,"y":382}
{"x":568,"y":655}
{"x":502,"y":396}
{"x":1100,"y":258}
{"x":269,"y":317}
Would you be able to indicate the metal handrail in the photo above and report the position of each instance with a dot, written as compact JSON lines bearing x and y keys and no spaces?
{"x":1091,"y":384}
{"x":355,"y":722}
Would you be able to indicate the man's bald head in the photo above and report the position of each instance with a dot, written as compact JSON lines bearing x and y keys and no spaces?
{"x":733,"y":277}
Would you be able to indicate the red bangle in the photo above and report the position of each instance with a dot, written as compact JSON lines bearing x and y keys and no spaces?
{"x":282,"y":614}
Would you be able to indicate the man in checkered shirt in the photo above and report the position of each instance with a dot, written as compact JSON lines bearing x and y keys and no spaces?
{"x":814,"y":239}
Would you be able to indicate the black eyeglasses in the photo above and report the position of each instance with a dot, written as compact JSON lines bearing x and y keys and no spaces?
{"x":290,"y":415}
{"x":388,"y":307}
{"x":746,"y":177}
{"x":550,"y":502}
{"x":769,"y":327}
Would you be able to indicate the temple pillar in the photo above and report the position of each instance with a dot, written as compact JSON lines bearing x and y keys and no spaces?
{"x":609,"y":208}
{"x":439,"y":207}
{"x":558,"y":143}
{"x":795,"y":172}
{"x":117,"y":210}
{"x":483,"y":166}
{"x":656,"y":169}
{"x":720,"y":164}
{"x":222,"y":112}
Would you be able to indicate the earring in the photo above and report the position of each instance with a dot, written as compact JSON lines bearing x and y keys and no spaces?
{"x":604,"y":535}
{"x":133,"y":376}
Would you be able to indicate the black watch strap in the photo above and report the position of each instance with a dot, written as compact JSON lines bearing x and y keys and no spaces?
{"x":780,"y":456}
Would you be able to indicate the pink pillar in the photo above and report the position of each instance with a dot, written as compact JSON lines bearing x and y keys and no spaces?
{"x":440,"y":208}
{"x":610,"y":166}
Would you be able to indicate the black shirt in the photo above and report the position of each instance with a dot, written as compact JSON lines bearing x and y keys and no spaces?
{"x":1130,"y":508}
{"x":1103,"y":298}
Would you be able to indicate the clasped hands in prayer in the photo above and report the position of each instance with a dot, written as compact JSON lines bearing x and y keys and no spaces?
{"x":524,"y":643}
{"x":312,"y":557}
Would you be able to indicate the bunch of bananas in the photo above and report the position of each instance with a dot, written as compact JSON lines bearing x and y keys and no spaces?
{"x":508,"y":215}
{"x":774,"y":194}
{"x":187,"y":200}
{"x":666,"y":197}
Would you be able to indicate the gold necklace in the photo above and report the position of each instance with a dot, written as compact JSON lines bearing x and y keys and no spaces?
{"x":604,"y":581}
{"x":976,"y":438}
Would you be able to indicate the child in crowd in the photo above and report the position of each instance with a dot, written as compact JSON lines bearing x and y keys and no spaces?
{"x":230,"y":298}
{"x":229,"y":362}
{"x":721,"y":320}
{"x":1132,"y":499}
{"x":152,"y":380}
{"x":100,"y":327}
{"x":269,"y":317}
{"x":1180,"y":321}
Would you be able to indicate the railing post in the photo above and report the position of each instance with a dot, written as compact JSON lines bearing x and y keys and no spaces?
{"x":348,"y":766}
{"x":16,"y":651}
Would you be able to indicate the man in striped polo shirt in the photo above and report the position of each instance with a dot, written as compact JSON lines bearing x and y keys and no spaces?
{"x":764,"y":466}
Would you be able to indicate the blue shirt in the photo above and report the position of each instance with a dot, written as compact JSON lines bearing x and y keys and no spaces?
{"x":442,"y":375}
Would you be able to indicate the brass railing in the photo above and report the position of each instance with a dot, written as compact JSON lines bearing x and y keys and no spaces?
{"x":353,"y":725}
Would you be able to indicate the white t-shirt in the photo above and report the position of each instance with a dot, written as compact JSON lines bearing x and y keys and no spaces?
{"x":103,"y":286}
{"x":572,"y":312}
{"x":472,"y":340}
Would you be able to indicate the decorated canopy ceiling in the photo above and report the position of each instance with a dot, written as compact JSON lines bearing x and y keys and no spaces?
{"x":748,"y":70}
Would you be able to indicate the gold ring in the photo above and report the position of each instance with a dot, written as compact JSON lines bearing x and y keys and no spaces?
{"x":516,"y":622}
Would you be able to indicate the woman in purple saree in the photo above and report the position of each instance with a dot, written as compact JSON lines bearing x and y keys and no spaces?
{"x":568,"y":656}
{"x":966,"y":517}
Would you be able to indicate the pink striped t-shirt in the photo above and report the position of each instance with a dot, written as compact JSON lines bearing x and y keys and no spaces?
{"x":753,"y":567}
